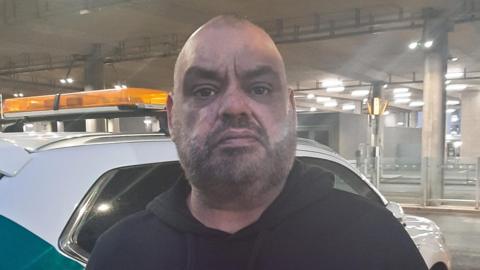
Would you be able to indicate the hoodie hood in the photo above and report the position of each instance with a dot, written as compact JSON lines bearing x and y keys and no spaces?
{"x":305,"y":185}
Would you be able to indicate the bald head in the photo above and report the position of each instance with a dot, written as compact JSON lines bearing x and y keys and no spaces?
{"x":223,"y":40}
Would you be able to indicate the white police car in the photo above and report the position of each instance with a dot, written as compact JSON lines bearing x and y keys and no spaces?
{"x":60,"y":191}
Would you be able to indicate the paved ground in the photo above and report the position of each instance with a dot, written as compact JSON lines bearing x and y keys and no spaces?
{"x":462,"y":234}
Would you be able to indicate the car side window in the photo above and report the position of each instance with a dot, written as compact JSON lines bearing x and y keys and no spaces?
{"x":116,"y":194}
{"x":345,"y":179}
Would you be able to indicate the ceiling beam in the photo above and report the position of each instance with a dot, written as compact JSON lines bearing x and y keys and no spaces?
{"x":285,"y":30}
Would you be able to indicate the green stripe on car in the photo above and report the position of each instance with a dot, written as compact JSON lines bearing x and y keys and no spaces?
{"x":20,"y":249}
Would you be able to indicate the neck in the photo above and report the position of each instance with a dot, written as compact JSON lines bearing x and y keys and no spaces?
{"x":232,"y":215}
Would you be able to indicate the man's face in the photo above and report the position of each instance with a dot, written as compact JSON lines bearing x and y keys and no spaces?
{"x":232,"y":117}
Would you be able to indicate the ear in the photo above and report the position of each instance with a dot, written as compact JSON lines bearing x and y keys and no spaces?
{"x":292,"y":98}
{"x":169,"y":114}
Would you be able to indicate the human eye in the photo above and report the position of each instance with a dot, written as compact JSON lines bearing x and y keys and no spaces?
{"x":260,"y":90}
{"x":204,"y":91}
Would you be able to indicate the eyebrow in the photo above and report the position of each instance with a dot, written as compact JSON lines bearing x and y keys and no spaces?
{"x":200,"y":72}
{"x":259,"y":71}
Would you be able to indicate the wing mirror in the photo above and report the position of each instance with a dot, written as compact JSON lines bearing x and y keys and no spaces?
{"x":396,"y":210}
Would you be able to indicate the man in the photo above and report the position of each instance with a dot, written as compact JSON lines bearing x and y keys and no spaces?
{"x":245,"y":202}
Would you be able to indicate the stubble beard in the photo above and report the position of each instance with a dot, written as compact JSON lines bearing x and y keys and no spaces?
{"x":236,"y":177}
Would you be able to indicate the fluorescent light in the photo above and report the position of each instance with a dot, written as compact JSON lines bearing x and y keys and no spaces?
{"x":20,"y":94}
{"x":63,"y":81}
{"x":428,"y":44}
{"x":84,"y":11}
{"x":453,"y":102}
{"x":336,"y":89}
{"x":448,"y":81}
{"x":15,"y":95}
{"x":413,"y":45}
{"x":331,"y":82}
{"x":348,"y":107}
{"x":454,"y":74}
{"x":323,"y":99}
{"x":70,"y":80}
{"x":456,"y":87}
{"x":400,"y":90}
{"x":402,"y":100}
{"x":385,"y":86}
{"x":313,"y":109}
{"x":454,"y":59}
{"x":386,"y":112}
{"x":402,"y":95}
{"x":360,"y":93}
{"x":416,"y":103}
{"x":310,"y":96}
{"x":450,"y":110}
{"x":400,"y":124}
{"x":457,"y":144}
{"x":330,"y":104}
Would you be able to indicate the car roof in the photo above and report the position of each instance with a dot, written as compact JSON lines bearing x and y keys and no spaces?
{"x":19,"y":145}
{"x":39,"y":141}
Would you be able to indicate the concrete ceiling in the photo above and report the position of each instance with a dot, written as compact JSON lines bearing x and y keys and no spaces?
{"x":34,"y":31}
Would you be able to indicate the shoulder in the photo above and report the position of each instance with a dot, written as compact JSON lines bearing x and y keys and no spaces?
{"x":135,"y":240}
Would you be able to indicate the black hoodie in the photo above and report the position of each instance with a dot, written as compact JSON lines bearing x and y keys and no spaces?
{"x":310,"y":225}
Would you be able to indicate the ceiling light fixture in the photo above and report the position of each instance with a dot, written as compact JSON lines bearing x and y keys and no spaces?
{"x":400,"y":90}
{"x":456,"y":87}
{"x":310,"y":96}
{"x":416,"y":103}
{"x":330,"y":104}
{"x":331,"y":82}
{"x":348,"y":107}
{"x":428,"y":44}
{"x":453,"y":102}
{"x":402,"y":95}
{"x":402,"y":100}
{"x":336,"y":89}
{"x":323,"y":99}
{"x":450,"y":110}
{"x":313,"y":109}
{"x":413,"y":45}
{"x":360,"y":93}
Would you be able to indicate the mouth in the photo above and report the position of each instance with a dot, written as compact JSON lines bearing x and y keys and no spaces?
{"x":238,"y":139}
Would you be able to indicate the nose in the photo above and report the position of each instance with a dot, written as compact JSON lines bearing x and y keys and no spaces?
{"x":235,"y":104}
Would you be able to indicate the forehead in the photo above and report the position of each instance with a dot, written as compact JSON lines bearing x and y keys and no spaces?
{"x":244,"y":47}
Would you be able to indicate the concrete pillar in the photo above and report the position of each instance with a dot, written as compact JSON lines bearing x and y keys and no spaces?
{"x":376,"y":126}
{"x":470,"y":120}
{"x":94,"y":80}
{"x":434,"y":97}
{"x":93,"y":70}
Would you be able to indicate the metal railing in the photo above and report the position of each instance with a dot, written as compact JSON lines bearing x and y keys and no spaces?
{"x":405,"y":181}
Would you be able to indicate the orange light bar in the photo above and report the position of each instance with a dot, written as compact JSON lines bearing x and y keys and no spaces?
{"x":88,"y":99}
